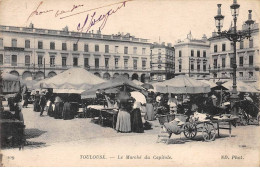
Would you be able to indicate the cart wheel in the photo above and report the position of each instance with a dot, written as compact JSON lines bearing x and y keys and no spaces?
{"x":209,"y":132}
{"x":190,"y":130}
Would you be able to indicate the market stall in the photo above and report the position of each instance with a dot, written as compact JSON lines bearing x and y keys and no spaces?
{"x":11,"y":117}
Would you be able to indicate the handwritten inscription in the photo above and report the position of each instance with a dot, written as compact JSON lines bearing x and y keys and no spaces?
{"x":92,"y":19}
{"x":37,"y":11}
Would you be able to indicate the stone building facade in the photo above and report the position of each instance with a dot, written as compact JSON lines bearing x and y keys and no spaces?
{"x":192,"y":57}
{"x":33,"y":53}
{"x":247,"y":57}
{"x":162,"y":62}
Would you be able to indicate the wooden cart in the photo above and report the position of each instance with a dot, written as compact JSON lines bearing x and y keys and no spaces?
{"x":190,"y":129}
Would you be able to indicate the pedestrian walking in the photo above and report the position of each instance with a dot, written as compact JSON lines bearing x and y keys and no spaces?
{"x":42,"y":104}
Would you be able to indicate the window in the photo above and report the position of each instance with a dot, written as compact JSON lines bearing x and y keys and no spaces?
{"x":107,"y":62}
{"x":27,"y":60}
{"x":231,"y":62}
{"x":251,"y":60}
{"x":86,"y":62}
{"x":143,"y":64}
{"x":1,"y":42}
{"x":240,"y":74}
{"x":250,"y":74}
{"x":135,"y":50}
{"x":85,"y":47}
{"x":241,"y":61}
{"x":1,"y":59}
{"x":198,"y":53}
{"x":135,"y":64}
{"x":192,"y":67}
{"x":204,"y":67}
{"x":241,"y":44}
{"x":64,"y":61}
{"x":223,"y":62}
{"x":179,"y":53}
{"x":192,"y":53}
{"x":198,"y":66}
{"x":143,"y":51}
{"x":14,"y":60}
{"x":64,"y":46}
{"x":231,"y":46}
{"x":14,"y":42}
{"x":251,"y":43}
{"x":75,"y":61}
{"x":126,"y":50}
{"x":75,"y":47}
{"x":223,"y":47}
{"x":40,"y":44}
{"x":179,"y":67}
{"x":204,"y":54}
{"x":126,"y":63}
{"x":96,"y":62}
{"x":116,"y":49}
{"x":215,"y":48}
{"x":39,"y":60}
{"x":96,"y":48}
{"x":27,"y":43}
{"x":215,"y":63}
{"x":116,"y":62}
{"x":52,"y":61}
{"x":52,"y":45}
{"x":106,"y":48}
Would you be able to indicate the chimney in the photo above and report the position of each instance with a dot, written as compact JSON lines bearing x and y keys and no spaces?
{"x":31,"y":25}
{"x":214,"y":34}
{"x":163,"y":43}
{"x":204,"y":37}
{"x":169,"y":44}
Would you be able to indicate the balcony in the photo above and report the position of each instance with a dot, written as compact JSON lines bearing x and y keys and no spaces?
{"x":13,"y":49}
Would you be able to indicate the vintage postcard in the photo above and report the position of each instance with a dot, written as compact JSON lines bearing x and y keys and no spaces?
{"x":129,"y":83}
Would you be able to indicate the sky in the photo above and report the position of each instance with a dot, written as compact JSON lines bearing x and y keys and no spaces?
{"x":164,"y":20}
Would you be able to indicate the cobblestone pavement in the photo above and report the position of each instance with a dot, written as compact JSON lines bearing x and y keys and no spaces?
{"x":80,"y":142}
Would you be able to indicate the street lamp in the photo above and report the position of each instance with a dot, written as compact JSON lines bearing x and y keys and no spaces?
{"x":234,"y":36}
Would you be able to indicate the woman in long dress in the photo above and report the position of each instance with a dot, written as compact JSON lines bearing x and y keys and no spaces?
{"x":123,"y":123}
{"x":149,"y":109}
{"x":136,"y":119}
{"x":66,"y":112}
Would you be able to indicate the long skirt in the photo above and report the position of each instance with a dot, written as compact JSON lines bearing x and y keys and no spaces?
{"x":123,"y":123}
{"x":150,"y":111}
{"x":136,"y":121}
{"x":58,"y":110}
{"x":50,"y":110}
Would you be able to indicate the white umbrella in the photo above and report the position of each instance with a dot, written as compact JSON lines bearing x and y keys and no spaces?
{"x":138,"y":97}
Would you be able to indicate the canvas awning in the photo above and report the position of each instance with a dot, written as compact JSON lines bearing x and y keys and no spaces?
{"x":10,"y":83}
{"x":241,"y":86}
{"x":111,"y":86}
{"x":74,"y":78}
{"x":181,"y":85}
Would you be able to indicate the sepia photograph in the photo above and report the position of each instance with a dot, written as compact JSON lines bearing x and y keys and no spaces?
{"x":129,"y":83}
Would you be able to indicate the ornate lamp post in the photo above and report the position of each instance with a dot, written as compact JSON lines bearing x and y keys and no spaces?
{"x":234,"y":36}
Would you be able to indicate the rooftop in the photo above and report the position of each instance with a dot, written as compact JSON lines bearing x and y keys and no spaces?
{"x":65,"y":33}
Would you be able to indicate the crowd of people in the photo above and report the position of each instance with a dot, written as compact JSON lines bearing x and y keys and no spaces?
{"x":54,"y":105}
{"x":134,"y":116}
